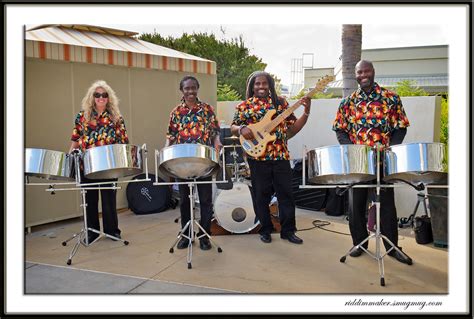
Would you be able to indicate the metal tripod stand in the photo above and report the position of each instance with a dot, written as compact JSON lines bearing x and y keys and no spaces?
{"x":189,"y":227}
{"x":83,"y":235}
{"x":377,"y":235}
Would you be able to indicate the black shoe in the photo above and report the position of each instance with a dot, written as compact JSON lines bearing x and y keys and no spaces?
{"x":292,"y":238}
{"x":92,"y":237}
{"x":266,"y":238}
{"x":183,"y":243}
{"x":401,"y":257}
{"x":115,"y":235}
{"x":356,"y":253}
{"x":204,"y":243}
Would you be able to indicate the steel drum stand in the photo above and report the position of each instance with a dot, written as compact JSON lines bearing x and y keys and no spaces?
{"x":83,"y":236}
{"x":189,"y":227}
{"x":377,"y":235}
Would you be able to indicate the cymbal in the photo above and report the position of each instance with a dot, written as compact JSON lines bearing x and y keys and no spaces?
{"x":232,"y":138}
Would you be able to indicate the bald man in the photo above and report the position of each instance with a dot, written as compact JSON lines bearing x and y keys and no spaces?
{"x":372,"y":115}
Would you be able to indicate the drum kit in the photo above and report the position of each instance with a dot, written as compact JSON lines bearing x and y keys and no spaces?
{"x":348,"y":166}
{"x":238,"y":200}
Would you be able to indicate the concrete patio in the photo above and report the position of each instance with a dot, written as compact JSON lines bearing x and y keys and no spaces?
{"x":246,"y":265}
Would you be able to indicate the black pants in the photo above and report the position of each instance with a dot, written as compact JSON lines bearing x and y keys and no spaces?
{"x":358,"y":219}
{"x":269,"y":176}
{"x":109,"y":207}
{"x":205,"y":204}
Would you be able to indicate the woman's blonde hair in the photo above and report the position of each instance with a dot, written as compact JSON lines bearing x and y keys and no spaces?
{"x":88,"y":101}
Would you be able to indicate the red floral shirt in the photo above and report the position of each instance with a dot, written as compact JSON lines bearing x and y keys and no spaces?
{"x":101,"y":130}
{"x":193,"y":125}
{"x":371,"y":118}
{"x":252,"y":111}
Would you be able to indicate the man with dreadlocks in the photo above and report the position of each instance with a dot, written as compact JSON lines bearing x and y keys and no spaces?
{"x":272,"y":170}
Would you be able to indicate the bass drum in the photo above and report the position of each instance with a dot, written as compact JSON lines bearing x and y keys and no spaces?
{"x":233,"y":209}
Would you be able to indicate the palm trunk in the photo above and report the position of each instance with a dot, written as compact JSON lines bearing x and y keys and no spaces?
{"x":351,"y":54}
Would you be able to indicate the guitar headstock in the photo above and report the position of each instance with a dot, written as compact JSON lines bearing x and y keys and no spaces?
{"x":321,"y":84}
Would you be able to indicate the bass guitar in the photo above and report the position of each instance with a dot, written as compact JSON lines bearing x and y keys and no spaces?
{"x":263,"y":130}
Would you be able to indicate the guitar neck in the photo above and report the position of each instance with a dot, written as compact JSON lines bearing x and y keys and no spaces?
{"x":283,"y":115}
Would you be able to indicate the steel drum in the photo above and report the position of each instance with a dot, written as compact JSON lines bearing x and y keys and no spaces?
{"x":416,"y":163}
{"x":233,"y":209}
{"x":112,"y":161}
{"x":188,"y":161}
{"x":49,"y":164}
{"x":342,"y":164}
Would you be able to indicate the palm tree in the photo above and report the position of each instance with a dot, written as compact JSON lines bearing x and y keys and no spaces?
{"x":351,"y":53}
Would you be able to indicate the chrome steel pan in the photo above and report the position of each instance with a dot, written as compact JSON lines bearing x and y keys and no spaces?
{"x":341,"y":164}
{"x":233,"y":209}
{"x":49,"y":164}
{"x":416,"y":163}
{"x":112,"y":161}
{"x":188,"y":161}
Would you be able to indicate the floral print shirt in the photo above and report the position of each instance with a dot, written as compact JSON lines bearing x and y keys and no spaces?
{"x":371,"y":118}
{"x":252,"y":111}
{"x":193,"y":125}
{"x":100,"y":130}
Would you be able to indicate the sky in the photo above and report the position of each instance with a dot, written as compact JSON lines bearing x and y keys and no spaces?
{"x":278,"y":44}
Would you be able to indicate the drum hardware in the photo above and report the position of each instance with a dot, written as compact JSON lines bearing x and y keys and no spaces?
{"x":408,"y":222}
{"x":234,"y":139}
{"x":377,"y":234}
{"x":235,"y":165}
{"x":76,"y":156}
{"x":175,"y":160}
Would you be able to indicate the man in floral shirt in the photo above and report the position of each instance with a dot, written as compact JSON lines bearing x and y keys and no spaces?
{"x":272,"y":170}
{"x":193,"y":121}
{"x":372,"y":115}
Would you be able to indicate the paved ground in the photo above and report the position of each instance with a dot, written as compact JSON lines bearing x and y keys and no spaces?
{"x":246,"y":265}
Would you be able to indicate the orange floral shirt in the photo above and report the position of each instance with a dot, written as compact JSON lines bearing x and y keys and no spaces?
{"x":371,"y":118}
{"x":101,"y":130}
{"x":193,"y":125}
{"x":252,"y":110}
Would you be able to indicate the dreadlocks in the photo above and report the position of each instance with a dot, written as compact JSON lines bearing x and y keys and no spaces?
{"x":271,"y":83}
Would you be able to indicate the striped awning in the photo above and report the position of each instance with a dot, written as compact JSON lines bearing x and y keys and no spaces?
{"x":421,"y":81}
{"x":91,"y":44}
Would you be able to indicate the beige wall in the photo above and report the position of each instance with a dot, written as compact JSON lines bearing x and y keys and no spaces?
{"x":54,"y":91}
{"x":411,"y":67}
{"x":407,"y":53}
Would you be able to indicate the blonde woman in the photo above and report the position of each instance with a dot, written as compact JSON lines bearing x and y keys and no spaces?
{"x":99,"y":123}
